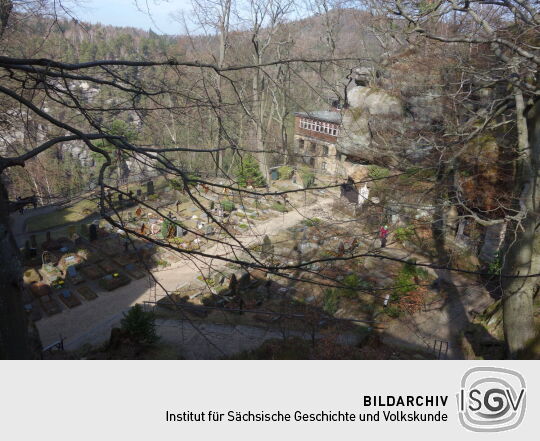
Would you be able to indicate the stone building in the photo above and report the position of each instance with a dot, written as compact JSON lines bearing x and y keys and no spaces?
{"x":316,"y":136}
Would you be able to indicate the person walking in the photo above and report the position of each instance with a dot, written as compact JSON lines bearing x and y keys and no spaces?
{"x":383,"y":234}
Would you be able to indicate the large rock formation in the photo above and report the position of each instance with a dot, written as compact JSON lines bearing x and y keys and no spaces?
{"x":371,"y":111}
{"x":384,"y":116}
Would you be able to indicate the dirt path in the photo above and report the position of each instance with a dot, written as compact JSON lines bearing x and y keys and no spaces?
{"x":92,"y":321}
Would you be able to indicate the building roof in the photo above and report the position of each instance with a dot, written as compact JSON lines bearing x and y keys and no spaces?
{"x":323,"y":115}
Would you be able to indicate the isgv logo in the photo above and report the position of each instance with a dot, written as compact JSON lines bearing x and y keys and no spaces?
{"x":491,"y":399}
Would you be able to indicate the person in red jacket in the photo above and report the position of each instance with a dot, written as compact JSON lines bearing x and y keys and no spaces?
{"x":383,"y":234}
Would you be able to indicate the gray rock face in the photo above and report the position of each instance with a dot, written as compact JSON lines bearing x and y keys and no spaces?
{"x":369,"y":107}
{"x":78,"y":150}
{"x":375,"y":102}
{"x":379,"y":127}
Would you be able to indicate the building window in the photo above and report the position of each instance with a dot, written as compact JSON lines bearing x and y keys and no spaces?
{"x":313,"y":147}
{"x":300,"y":144}
{"x":323,"y":165}
{"x":325,"y":150}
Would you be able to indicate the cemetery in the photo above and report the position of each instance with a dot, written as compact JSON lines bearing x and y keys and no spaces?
{"x":83,"y":261}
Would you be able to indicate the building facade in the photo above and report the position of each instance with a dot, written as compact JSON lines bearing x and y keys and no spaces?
{"x":316,"y":135}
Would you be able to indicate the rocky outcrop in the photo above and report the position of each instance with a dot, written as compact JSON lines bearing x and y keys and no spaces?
{"x":78,"y":151}
{"x":372,"y":114}
{"x":384,"y":119}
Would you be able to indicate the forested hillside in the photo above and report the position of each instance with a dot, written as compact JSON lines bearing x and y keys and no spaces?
{"x":283,"y":90}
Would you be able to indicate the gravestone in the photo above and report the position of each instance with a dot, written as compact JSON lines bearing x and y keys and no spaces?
{"x":180,"y":232}
{"x":267,"y":248}
{"x":93,"y":232}
{"x":27,"y":248}
{"x":139,"y":193}
{"x":150,"y":188}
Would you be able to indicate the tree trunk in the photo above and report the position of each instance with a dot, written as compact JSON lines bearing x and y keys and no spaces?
{"x":522,"y":256}
{"x":258,"y":121}
{"x":14,"y":338}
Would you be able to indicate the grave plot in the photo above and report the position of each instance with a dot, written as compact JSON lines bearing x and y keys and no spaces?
{"x":86,"y":292}
{"x":125,"y":259}
{"x":107,"y":266}
{"x":110,"y":248}
{"x":113,"y":281}
{"x":43,"y":293}
{"x":68,"y":298}
{"x":72,"y":274}
{"x":135,"y":271}
{"x":92,"y":272}
{"x":49,"y":305}
{"x":31,"y":306}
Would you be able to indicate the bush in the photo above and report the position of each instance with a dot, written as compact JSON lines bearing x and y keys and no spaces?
{"x":405,"y":287}
{"x":285,"y":172}
{"x":313,"y":222}
{"x":404,"y":234}
{"x":354,"y":284}
{"x":249,"y":173}
{"x":393,"y":311}
{"x":376,"y":172}
{"x":495,"y":267}
{"x":228,"y":206}
{"x":330,"y":301}
{"x":278,"y":206}
{"x":307,"y":176}
{"x":140,"y":325}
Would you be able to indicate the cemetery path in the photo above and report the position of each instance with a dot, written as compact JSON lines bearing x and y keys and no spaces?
{"x":92,"y":321}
